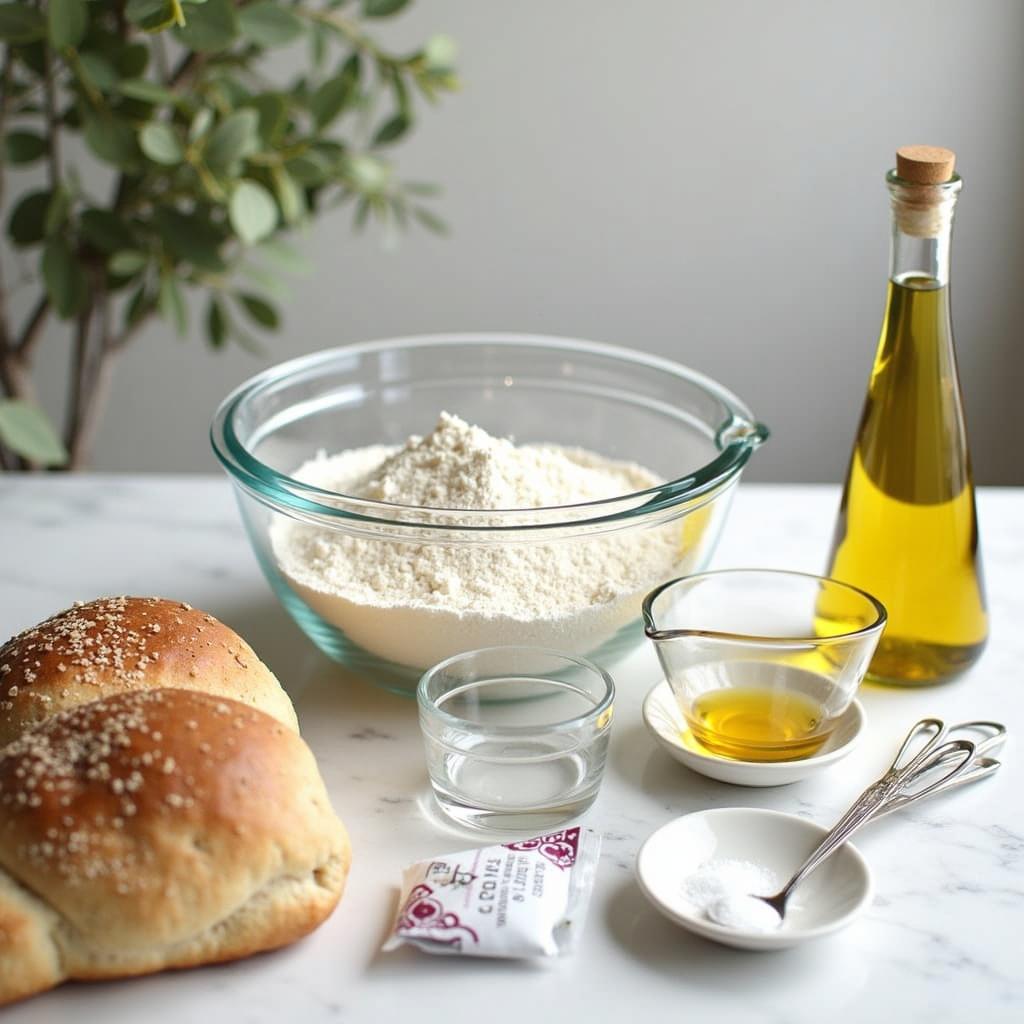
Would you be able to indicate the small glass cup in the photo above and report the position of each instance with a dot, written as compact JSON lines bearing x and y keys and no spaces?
{"x":516,"y":737}
{"x":762,"y":662}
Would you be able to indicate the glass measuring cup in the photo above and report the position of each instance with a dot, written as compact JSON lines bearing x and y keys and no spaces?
{"x":762,"y":662}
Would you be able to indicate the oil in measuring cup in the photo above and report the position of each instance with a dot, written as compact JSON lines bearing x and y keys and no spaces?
{"x":763,"y":712}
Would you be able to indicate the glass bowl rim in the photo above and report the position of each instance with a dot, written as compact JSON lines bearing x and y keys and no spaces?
{"x":607,"y":702}
{"x":653,"y":633}
{"x":286,"y":492}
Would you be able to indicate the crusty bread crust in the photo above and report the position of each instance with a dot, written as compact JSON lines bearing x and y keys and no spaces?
{"x":119,"y":644}
{"x":159,"y":829}
{"x":29,"y":958}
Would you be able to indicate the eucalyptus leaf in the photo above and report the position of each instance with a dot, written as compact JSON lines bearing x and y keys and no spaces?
{"x":284,"y":256}
{"x":319,"y":41}
{"x":290,"y":196}
{"x":26,"y":431}
{"x":270,"y":282}
{"x":152,"y":15}
{"x":217,"y":324}
{"x":382,"y":8}
{"x":362,"y":213}
{"x":200,"y":124}
{"x":253,"y":211}
{"x":235,"y":138}
{"x":140,"y":305}
{"x":27,"y":222}
{"x":247,"y":341}
{"x":330,"y":150}
{"x":310,"y":169}
{"x":20,"y":23}
{"x":67,"y":22}
{"x":57,"y":211}
{"x":392,"y":130}
{"x":130,"y":59}
{"x":230,"y":91}
{"x":113,"y":141}
{"x":273,"y":116}
{"x":148,"y":92}
{"x":106,"y":230}
{"x":64,"y":280}
{"x":127,"y":262}
{"x":400,"y":212}
{"x":430,"y":220}
{"x":268,"y":24}
{"x":210,"y":27}
{"x":102,"y":75}
{"x":421,"y":188}
{"x":23,"y":147}
{"x":160,"y":142}
{"x":34,"y":56}
{"x":191,"y":237}
{"x":403,"y":104}
{"x":332,"y":98}
{"x":171,"y":303}
{"x":259,"y":310}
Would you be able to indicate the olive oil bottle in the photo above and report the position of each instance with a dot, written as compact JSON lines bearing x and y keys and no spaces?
{"x":907,"y":530}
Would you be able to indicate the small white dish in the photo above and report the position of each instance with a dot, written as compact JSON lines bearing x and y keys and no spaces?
{"x":830,"y":898}
{"x":665,"y":723}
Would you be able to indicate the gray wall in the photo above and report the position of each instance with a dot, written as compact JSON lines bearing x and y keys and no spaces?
{"x":699,"y":180}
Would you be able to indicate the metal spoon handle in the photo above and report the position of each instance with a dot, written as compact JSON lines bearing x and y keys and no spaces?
{"x":980,"y":768}
{"x":987,"y":736}
{"x":876,"y":798}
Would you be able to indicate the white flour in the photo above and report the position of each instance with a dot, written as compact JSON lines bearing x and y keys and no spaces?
{"x":419,"y":603}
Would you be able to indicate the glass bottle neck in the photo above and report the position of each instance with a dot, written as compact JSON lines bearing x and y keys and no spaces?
{"x":922,"y":226}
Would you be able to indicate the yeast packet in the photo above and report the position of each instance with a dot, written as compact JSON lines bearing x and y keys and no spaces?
{"x":517,"y":900}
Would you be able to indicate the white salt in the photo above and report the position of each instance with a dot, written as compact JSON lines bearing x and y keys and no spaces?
{"x":744,"y":913}
{"x":720,"y":890}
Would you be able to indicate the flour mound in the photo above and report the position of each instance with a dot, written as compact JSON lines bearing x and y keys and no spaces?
{"x":459,"y":466}
{"x":418,"y":603}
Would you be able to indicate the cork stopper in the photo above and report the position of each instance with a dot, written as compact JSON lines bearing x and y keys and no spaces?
{"x":924,"y":190}
{"x":925,"y":165}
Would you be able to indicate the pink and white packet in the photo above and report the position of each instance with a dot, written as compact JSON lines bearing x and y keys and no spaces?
{"x":524,"y":899}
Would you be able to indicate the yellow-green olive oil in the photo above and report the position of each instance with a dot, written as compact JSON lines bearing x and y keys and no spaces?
{"x":758,"y":724}
{"x":907,"y":530}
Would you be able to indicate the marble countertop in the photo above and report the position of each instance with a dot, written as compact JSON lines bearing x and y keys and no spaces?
{"x":943,"y":933}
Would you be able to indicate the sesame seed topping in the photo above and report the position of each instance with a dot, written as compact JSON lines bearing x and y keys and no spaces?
{"x":72,"y":789}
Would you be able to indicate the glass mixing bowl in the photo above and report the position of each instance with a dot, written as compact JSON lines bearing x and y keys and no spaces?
{"x":624,"y":405}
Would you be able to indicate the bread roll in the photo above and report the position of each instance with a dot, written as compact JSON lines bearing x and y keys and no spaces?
{"x":118,"y":644}
{"x":157,"y":829}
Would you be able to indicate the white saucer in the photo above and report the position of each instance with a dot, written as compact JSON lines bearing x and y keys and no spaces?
{"x":665,"y":723}
{"x":828,"y":899}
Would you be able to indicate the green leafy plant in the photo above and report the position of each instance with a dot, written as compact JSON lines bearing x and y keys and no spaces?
{"x":210,"y":165}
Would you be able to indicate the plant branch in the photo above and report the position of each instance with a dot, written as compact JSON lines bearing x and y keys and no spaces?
{"x":349,"y":29}
{"x":79,"y":361}
{"x":32,"y":331}
{"x":93,"y":368}
{"x":52,"y":123}
{"x":5,"y":89}
{"x":188,"y":66}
